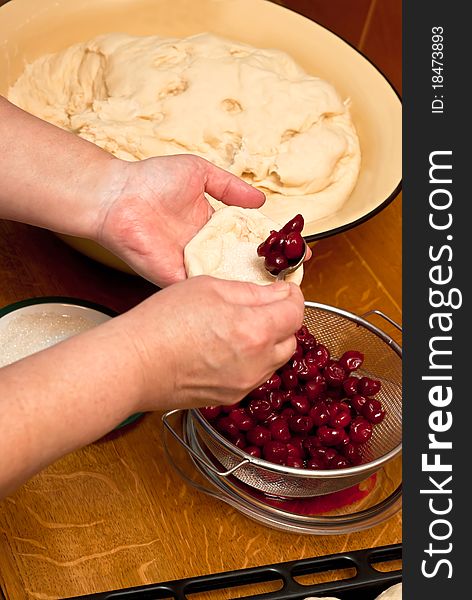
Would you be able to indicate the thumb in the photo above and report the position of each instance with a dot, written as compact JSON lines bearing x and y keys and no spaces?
{"x":253,"y":294}
{"x":229,"y":189}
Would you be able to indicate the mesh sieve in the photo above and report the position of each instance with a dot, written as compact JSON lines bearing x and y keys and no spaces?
{"x":339,"y":330}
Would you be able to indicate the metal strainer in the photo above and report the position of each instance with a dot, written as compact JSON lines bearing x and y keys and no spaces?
{"x":339,"y":330}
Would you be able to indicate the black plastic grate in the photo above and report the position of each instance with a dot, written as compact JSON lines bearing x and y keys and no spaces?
{"x":366,"y":584}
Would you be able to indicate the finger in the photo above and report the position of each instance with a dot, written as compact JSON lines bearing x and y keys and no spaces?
{"x":229,"y":189}
{"x":252,"y":294}
{"x":280,"y":355}
{"x":285,"y":316}
{"x":283,"y":351}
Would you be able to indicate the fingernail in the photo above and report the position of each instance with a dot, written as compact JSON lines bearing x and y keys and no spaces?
{"x":280,"y":287}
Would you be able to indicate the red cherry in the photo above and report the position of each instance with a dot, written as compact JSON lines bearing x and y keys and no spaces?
{"x":243,"y":421}
{"x":319,"y":355}
{"x":276,"y":399}
{"x":253,"y":451}
{"x":270,"y":419}
{"x":373,"y":411}
{"x":330,"y":436}
{"x":297,"y":442}
{"x":315,"y":387}
{"x":334,"y":373}
{"x":368,"y":386}
{"x":320,"y":413}
{"x":340,"y":416}
{"x":295,"y":462}
{"x":340,"y":462}
{"x":316,"y":463}
{"x":258,"y":392}
{"x":279,"y":430}
{"x":260,"y":408}
{"x":240,"y":441}
{"x":360,"y":430}
{"x":289,"y":379}
{"x":311,"y":444}
{"x":287,"y":412}
{"x":294,"y":450}
{"x":319,"y":452}
{"x":351,"y":360}
{"x":275,"y":452}
{"x":274,"y":382}
{"x":307,"y":371}
{"x":294,"y":246}
{"x":353,"y":453}
{"x":274,"y":243}
{"x":350,"y":385}
{"x":228,"y":427}
{"x":301,"y":404}
{"x":331,"y":456}
{"x":358,"y":402}
{"x":275,"y":263}
{"x":210,"y":412}
{"x":295,"y":224}
{"x":300,"y":424}
{"x":258,"y":436}
{"x":301,"y":333}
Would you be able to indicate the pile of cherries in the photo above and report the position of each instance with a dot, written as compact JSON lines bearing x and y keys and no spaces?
{"x":312,"y":413}
{"x":284,"y":248}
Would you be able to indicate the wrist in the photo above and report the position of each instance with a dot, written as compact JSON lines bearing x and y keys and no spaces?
{"x":152,"y":356}
{"x":102,"y":189}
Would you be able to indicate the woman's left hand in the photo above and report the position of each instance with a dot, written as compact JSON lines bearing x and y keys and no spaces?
{"x":160,"y":206}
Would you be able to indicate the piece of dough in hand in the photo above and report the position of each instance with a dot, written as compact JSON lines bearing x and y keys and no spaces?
{"x":226,"y":247}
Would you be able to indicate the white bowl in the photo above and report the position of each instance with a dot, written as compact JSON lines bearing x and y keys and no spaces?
{"x":29,"y":29}
{"x":95,"y":314}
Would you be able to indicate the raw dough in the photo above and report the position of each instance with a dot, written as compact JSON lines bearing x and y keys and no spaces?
{"x":253,"y":112}
{"x":393,"y":593}
{"x":226,"y":247}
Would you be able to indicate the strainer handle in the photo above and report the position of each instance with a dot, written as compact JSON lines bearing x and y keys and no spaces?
{"x":384,"y":316}
{"x":182,"y":442}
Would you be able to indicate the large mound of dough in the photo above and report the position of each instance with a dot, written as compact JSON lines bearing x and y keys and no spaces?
{"x":253,"y":112}
{"x":226,"y":247}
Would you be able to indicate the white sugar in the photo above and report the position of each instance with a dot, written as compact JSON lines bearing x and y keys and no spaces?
{"x":239,"y":261}
{"x":30,"y":333}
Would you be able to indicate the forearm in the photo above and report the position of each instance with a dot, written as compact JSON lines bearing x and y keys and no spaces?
{"x":50,"y":177}
{"x":58,"y":400}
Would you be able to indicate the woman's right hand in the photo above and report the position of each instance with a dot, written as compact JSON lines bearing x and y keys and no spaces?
{"x":208,"y":341}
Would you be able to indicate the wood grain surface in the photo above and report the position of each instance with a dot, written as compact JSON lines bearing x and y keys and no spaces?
{"x":115,"y":514}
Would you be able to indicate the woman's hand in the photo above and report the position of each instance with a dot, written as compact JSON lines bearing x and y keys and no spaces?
{"x":145,"y":211}
{"x":207,"y":341}
{"x":160,"y":206}
{"x":203,"y":341}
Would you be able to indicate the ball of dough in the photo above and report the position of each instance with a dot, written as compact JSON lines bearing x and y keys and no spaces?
{"x":323,"y":598}
{"x":226,"y":247}
{"x":392,"y":593}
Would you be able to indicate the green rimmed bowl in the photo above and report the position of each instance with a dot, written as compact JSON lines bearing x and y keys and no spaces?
{"x":96,"y":313}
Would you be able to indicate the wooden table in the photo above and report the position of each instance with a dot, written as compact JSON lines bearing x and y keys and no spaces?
{"x":115,"y":514}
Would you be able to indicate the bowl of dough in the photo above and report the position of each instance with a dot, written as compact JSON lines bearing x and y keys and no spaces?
{"x":289,"y":107}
